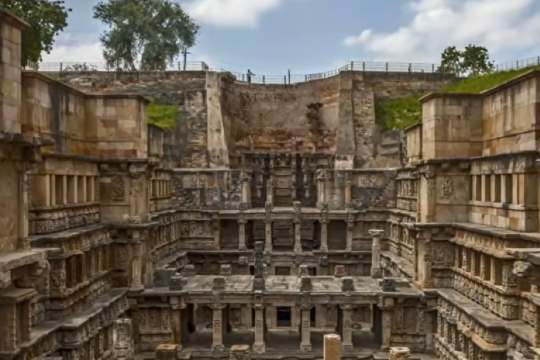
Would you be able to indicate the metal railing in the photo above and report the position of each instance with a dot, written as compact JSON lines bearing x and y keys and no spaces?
{"x":518,"y":64}
{"x":249,"y":76}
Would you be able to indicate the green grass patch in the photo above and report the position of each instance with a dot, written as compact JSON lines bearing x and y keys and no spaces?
{"x":163,"y":116}
{"x":478,"y":84}
{"x":398,"y":113}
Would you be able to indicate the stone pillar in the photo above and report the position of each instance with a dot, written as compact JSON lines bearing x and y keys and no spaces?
{"x":387,"y":309}
{"x":123,"y":339}
{"x":338,"y":190}
{"x":259,"y":345}
{"x":242,"y":233}
{"x":400,"y":353}
{"x":332,"y":347}
{"x":305,"y":343}
{"x":268,"y":228}
{"x":246,"y":191}
{"x":297,"y":227}
{"x":217,"y":327}
{"x":216,"y":231}
{"x":321,"y":180}
{"x":176,"y":320}
{"x":350,"y":229}
{"x":348,"y":192}
{"x":347,"y":311}
{"x":136,"y":264}
{"x":376,"y":270}
{"x":324,"y":228}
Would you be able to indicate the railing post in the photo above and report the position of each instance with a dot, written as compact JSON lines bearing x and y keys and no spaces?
{"x":363,"y":66}
{"x":352,"y":65}
{"x":289,"y":76}
{"x":386,"y":67}
{"x":285,"y":79}
{"x":264,"y":79}
{"x":61,"y":66}
{"x":410,"y":67}
{"x":433,"y":68}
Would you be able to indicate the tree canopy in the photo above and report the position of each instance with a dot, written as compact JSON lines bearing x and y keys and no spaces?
{"x":473,"y":61}
{"x":46,"y":19}
{"x":148,"y":33}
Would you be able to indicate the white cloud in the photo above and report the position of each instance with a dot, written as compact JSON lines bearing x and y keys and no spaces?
{"x":503,"y":26}
{"x":82,"y":52}
{"x":230,"y":13}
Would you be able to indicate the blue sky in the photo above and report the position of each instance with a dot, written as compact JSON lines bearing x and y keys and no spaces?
{"x":271,"y":36}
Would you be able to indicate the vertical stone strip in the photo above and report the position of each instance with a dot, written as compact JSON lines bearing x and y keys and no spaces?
{"x":376,"y":270}
{"x":347,"y":327}
{"x":217,"y":327}
{"x":305,"y":344}
{"x":259,"y":345}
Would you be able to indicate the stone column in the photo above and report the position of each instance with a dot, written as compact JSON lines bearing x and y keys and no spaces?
{"x":400,"y":353}
{"x":376,"y":270}
{"x":347,"y":333}
{"x":217,"y":327}
{"x":305,"y":343}
{"x":387,"y":309}
{"x":332,"y":347}
{"x":321,"y":180}
{"x":268,"y":228}
{"x":246,"y":191}
{"x":324,"y":235}
{"x":136,"y":265}
{"x":324,"y":227}
{"x":259,"y":345}
{"x":348,"y":192}
{"x":350,"y":229}
{"x":216,"y":231}
{"x":176,"y":320}
{"x":297,"y":227}
{"x":123,"y":339}
{"x":242,"y":233}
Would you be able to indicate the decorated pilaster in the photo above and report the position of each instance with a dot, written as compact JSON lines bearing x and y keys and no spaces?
{"x":387,"y":308}
{"x":350,"y":232}
{"x":305,"y":344}
{"x":346,"y":332}
{"x":324,"y":228}
{"x":242,"y":232}
{"x":259,"y":345}
{"x":321,"y":184}
{"x":123,"y":339}
{"x":376,"y":270}
{"x":217,"y":327}
{"x":297,"y":227}
{"x":246,"y":190}
{"x":268,"y":227}
{"x":176,"y":320}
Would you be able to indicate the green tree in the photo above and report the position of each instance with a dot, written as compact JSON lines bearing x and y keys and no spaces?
{"x":150,"y":33}
{"x":476,"y":60}
{"x":451,"y":61}
{"x":46,"y":19}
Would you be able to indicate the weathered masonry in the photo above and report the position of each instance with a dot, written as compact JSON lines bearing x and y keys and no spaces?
{"x":269,"y":218}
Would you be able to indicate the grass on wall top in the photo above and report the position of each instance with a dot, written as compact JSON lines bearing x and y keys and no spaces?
{"x":163,"y":116}
{"x":478,"y":84}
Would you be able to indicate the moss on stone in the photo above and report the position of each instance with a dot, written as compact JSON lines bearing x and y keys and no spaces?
{"x":163,"y":116}
{"x":398,"y":113}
